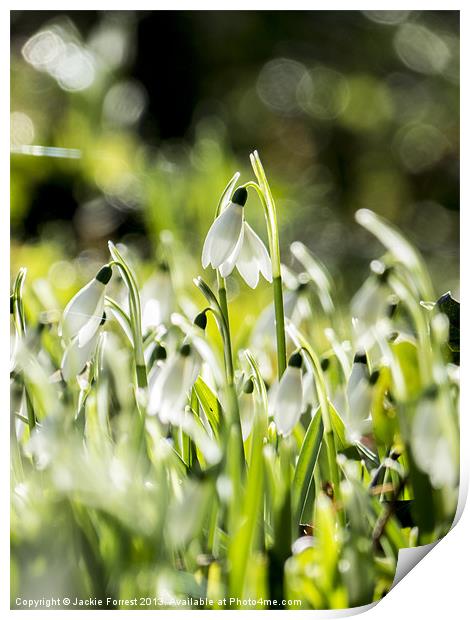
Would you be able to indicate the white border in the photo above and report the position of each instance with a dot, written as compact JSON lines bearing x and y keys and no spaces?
{"x":439,"y":586}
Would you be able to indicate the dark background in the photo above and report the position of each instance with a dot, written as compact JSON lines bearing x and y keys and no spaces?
{"x":378,"y":129}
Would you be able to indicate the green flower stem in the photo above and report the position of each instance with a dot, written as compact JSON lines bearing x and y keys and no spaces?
{"x":266,"y":197}
{"x":20,"y":326}
{"x":224,"y":309}
{"x":233,"y":410}
{"x":221,"y":323}
{"x":221,"y":286}
{"x":315,"y":366}
{"x":135,"y":314}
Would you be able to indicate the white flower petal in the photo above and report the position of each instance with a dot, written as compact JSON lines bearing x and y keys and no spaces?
{"x":158,"y":300}
{"x":76,"y":357}
{"x":87,"y":332}
{"x":259,"y":250}
{"x":247,"y":414}
{"x":253,"y":258}
{"x":227,"y":266}
{"x":309,"y":392}
{"x":223,"y":236}
{"x":82,"y":307}
{"x":359,"y":373}
{"x":288,"y":402}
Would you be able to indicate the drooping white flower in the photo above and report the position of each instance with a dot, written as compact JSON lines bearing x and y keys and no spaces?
{"x":247,"y":408}
{"x":231,"y":242}
{"x":359,"y":393}
{"x":76,"y":357}
{"x":226,"y":233}
{"x":429,"y":444}
{"x":250,"y":260}
{"x":309,"y":392}
{"x":84,"y":312}
{"x":169,"y":391}
{"x":373,"y":301}
{"x":287,"y":405}
{"x":158,"y":299}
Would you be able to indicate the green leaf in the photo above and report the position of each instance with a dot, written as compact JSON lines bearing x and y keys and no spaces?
{"x":339,"y":429}
{"x":306,"y":463}
{"x":209,"y":402}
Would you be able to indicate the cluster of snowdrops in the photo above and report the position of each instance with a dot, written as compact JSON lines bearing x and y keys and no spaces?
{"x":149,"y":457}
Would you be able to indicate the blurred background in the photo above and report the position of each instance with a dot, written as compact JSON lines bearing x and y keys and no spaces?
{"x":128,"y":124}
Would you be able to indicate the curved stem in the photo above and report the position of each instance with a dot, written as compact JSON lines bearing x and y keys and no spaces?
{"x":221,"y":286}
{"x":264,"y":192}
{"x":216,"y":309}
{"x":315,"y":366}
{"x":135,"y":314}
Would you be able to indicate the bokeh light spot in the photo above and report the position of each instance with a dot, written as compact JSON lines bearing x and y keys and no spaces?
{"x":75,"y":69}
{"x":43,"y":49}
{"x":421,"y":49}
{"x":388,"y":18}
{"x":21,"y":129}
{"x":420,"y":146}
{"x":323,"y":93}
{"x":278,"y":82}
{"x":124,"y":103}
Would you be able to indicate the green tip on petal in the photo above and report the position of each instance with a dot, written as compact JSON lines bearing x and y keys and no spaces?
{"x":374,"y":377}
{"x":431,"y":392}
{"x":201,"y":320}
{"x":248,"y":386}
{"x":158,"y":354}
{"x":104,"y":274}
{"x":295,"y":360}
{"x":240,"y":196}
{"x":185,"y":350}
{"x":360,"y":358}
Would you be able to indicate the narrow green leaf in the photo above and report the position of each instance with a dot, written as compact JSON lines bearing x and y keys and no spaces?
{"x":306,"y":463}
{"x":210,"y":403}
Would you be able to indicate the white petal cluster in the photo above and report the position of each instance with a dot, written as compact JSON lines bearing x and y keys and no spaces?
{"x":287,"y":402}
{"x":231,"y":242}
{"x":81,"y":320}
{"x":169,"y":386}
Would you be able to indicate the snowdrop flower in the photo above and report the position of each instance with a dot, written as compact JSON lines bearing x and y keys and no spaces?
{"x":309,"y":392}
{"x":287,"y":403}
{"x":247,"y":408}
{"x":158,"y":299}
{"x":359,"y":393}
{"x":84,"y":312}
{"x":373,"y":301}
{"x":169,"y":388}
{"x":430,"y":447}
{"x":231,"y":242}
{"x":76,"y":357}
